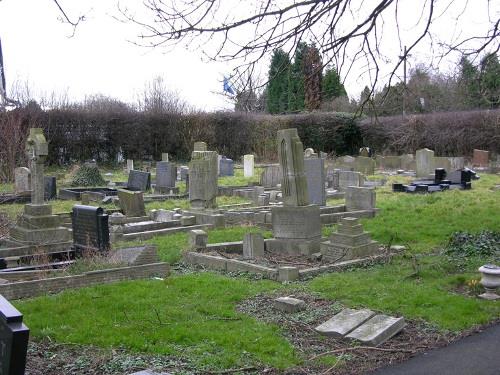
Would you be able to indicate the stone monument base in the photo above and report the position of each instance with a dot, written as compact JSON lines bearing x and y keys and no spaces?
{"x":37,"y":225}
{"x":350,"y":242}
{"x":296,"y":230}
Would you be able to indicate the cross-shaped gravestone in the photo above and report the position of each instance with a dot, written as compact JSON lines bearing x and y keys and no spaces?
{"x":37,"y":150}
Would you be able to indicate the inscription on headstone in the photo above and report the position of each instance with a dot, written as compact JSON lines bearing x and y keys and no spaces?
{"x":90,"y":228}
{"x":13,"y":340}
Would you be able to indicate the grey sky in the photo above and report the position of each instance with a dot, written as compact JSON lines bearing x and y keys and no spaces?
{"x":99,"y":58}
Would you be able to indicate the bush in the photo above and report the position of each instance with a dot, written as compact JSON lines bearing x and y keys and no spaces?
{"x":87,"y":176}
{"x":463,"y":244}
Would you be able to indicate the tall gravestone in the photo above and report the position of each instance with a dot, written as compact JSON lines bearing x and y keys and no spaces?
{"x":248,"y":165}
{"x":164,"y":156}
{"x":166,"y":175}
{"x":203,"y":178}
{"x":226,"y":167}
{"x":130,"y":165}
{"x":316,"y":178}
{"x":22,"y":180}
{"x":425,"y":162}
{"x":37,"y":224}
{"x":480,"y":158}
{"x":14,"y":337}
{"x":90,"y":228}
{"x":296,"y":225}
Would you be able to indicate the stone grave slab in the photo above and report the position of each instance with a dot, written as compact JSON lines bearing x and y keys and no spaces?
{"x":344,"y":322}
{"x":132,"y":203}
{"x":14,"y":337}
{"x":22,"y":178}
{"x":377,"y":330}
{"x":289,"y":304}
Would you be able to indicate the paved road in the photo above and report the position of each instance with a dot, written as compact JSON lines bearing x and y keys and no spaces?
{"x":478,"y":354}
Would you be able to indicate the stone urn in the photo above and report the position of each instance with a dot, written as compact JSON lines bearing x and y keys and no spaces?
{"x":490,"y":281}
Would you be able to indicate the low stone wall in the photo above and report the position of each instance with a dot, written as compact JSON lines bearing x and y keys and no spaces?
{"x":27,"y":289}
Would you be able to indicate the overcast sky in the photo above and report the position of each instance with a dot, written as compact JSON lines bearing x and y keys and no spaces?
{"x":99,"y":59}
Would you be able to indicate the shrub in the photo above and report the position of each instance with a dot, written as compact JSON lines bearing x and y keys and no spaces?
{"x":87,"y":176}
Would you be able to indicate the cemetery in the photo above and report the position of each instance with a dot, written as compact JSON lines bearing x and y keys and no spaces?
{"x":313,"y":252}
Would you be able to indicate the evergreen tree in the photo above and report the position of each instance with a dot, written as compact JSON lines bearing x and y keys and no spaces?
{"x":296,"y":91}
{"x":331,"y":85}
{"x":469,"y":84}
{"x":313,"y":76}
{"x":277,"y":87}
{"x":490,"y":80}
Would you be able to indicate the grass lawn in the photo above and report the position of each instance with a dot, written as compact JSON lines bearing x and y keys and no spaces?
{"x":193,"y":315}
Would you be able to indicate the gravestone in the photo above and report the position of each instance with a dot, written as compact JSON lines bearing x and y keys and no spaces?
{"x":166,"y":175}
{"x":130,"y":165}
{"x":139,"y":181}
{"x":164,"y":156}
{"x":14,"y":337}
{"x":200,"y":146}
{"x":365,"y":165}
{"x":226,"y":167}
{"x":480,"y":158}
{"x":22,"y":180}
{"x":132,"y":203}
{"x":442,"y":162}
{"x":345,"y":163}
{"x":271,"y":176}
{"x":315,"y":175}
{"x":248,"y":165}
{"x":425,"y":162}
{"x":293,"y":181}
{"x":456,"y":163}
{"x":349,"y":178}
{"x":253,"y":245}
{"x":90,"y":228}
{"x":360,"y":198}
{"x":37,"y":224}
{"x":309,"y":153}
{"x":50,"y":187}
{"x":203,"y":179}
{"x":297,"y":224}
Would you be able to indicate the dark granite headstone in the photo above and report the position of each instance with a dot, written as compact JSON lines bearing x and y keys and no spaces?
{"x":14,"y":337}
{"x":139,"y":181}
{"x":226,"y":167}
{"x":439,"y":175}
{"x":166,"y":175}
{"x":50,"y":188}
{"x":90,"y":228}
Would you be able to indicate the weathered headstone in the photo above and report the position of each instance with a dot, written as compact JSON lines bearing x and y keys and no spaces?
{"x":248,"y":165}
{"x":315,"y":175}
{"x":407,"y":162}
{"x":253,"y":245}
{"x":442,"y":162}
{"x":183,"y":172}
{"x":203,"y":179}
{"x":22,"y":180}
{"x":130,"y":165}
{"x":132,"y":203}
{"x":360,"y":198}
{"x":480,"y":158}
{"x":164,"y":156}
{"x":309,"y":153}
{"x":226,"y":167}
{"x":139,"y":181}
{"x":289,"y":304}
{"x":425,"y":162}
{"x":294,"y":183}
{"x":197,"y":239}
{"x":50,"y":187}
{"x":166,"y":175}
{"x":37,"y":224}
{"x":344,"y":322}
{"x":90,"y":228}
{"x":349,"y":178}
{"x":271,"y":176}
{"x":14,"y":337}
{"x":345,"y":163}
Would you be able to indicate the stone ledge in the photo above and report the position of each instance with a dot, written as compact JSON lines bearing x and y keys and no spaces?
{"x":28,"y":289}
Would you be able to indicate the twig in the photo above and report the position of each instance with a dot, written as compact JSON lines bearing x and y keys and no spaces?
{"x":360,"y":348}
{"x":230,"y":371}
